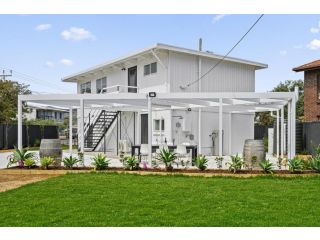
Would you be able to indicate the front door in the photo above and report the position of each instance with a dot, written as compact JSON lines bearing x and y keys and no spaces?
{"x":144,"y":128}
{"x":132,"y":79}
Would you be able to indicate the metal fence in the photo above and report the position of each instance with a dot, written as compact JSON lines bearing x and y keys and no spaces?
{"x":31,"y":135}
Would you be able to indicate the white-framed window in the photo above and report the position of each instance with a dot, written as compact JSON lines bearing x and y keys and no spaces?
{"x":85,"y":87}
{"x":150,"y":69}
{"x":101,"y":83}
{"x":156,"y":124}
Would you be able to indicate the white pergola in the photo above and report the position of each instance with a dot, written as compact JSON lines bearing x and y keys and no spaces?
{"x":220,"y":102}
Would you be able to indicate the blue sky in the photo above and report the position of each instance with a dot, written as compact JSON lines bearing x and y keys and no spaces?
{"x":48,"y":47}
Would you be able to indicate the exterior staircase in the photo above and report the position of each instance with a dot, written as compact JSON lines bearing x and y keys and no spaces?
{"x":96,"y":130}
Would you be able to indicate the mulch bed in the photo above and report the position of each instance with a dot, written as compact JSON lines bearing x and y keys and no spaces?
{"x":161,"y":170}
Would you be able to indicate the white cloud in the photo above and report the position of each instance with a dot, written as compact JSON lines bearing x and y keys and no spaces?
{"x":314,"y":44}
{"x":43,"y":27}
{"x":314,"y":30}
{"x":49,"y":64}
{"x":218,"y":17}
{"x":66,"y":62}
{"x":283,"y":52}
{"x":298,"y":46}
{"x":77,"y":34}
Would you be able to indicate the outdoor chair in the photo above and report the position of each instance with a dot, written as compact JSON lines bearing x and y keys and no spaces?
{"x":181,"y":152}
{"x":144,"y":152}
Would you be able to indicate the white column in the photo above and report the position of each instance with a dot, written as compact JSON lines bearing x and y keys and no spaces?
{"x":199,"y":132}
{"x":81,"y":126}
{"x":150,"y":130}
{"x":138,"y":133}
{"x":282,"y":131}
{"x":19,"y":124}
{"x":199,"y":89}
{"x":230,"y":134}
{"x":220,"y":127}
{"x":277,"y":126}
{"x":70,"y":130}
{"x":160,"y":128}
{"x":289,"y":130}
{"x":293,"y":128}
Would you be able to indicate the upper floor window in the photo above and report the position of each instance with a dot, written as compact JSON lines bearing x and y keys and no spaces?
{"x":318,"y":86}
{"x":150,"y":68}
{"x":101,"y":84}
{"x":85,"y":87}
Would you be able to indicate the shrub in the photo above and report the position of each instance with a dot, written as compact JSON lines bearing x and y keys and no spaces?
{"x":131,"y":163}
{"x":19,"y":157}
{"x":167,"y":158}
{"x":100,"y":162}
{"x":46,"y":162}
{"x":236,"y":163}
{"x":266,"y":166}
{"x":36,"y":143}
{"x":201,"y":162}
{"x":315,"y":163}
{"x":81,"y":158}
{"x":30,"y":162}
{"x":69,"y":162}
{"x":295,"y":165}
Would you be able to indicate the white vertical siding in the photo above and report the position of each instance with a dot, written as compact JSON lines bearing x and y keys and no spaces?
{"x":226,"y":77}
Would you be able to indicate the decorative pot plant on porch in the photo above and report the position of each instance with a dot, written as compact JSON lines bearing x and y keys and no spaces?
{"x":167,"y":158}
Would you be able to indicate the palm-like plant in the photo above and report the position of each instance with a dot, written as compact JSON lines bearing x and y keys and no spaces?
{"x":236,"y":163}
{"x":19,"y":157}
{"x":315,"y":163}
{"x":167,"y":158}
{"x":100,"y":162}
{"x":296,"y":165}
{"x":70,"y":161}
{"x":266,"y":166}
{"x":201,"y":162}
{"x":131,"y":163}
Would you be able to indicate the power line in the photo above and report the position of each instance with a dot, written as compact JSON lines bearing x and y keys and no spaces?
{"x":223,"y":58}
{"x":4,"y":75}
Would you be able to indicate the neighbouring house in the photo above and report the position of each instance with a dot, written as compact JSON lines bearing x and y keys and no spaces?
{"x":168,"y":69}
{"x":45,"y":112}
{"x":311,"y":90}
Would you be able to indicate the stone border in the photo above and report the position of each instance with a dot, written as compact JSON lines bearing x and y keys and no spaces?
{"x":63,"y":172}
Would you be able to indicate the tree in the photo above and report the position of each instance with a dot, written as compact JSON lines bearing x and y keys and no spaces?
{"x":264,"y":118}
{"x":9,"y":91}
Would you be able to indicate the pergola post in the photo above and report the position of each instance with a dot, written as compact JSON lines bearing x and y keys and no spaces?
{"x":19,"y":124}
{"x":289,"y":130}
{"x":293,"y":127}
{"x":199,"y":132}
{"x":70,"y":131}
{"x":230,"y":133}
{"x":150,"y":130}
{"x":282,"y":131}
{"x":277,"y":127}
{"x":220,"y":127}
{"x":138,"y":123}
{"x":81,"y":125}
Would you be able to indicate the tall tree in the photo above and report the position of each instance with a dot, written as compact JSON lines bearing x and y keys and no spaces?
{"x":9,"y":91}
{"x":264,"y":118}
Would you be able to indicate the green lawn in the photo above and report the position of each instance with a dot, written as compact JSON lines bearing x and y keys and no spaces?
{"x":111,"y":199}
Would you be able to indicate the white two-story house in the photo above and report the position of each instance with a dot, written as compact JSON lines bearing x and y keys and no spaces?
{"x":164,"y":68}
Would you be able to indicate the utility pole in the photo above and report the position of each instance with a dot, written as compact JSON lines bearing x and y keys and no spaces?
{"x":4,"y":75}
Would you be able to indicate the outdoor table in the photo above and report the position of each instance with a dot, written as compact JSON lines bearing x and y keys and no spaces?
{"x":192,"y":148}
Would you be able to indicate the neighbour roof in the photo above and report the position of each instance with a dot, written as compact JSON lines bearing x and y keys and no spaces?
{"x":308,"y":66}
{"x":161,"y":46}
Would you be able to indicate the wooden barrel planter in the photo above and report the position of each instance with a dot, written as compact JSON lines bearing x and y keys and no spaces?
{"x":253,"y":153}
{"x":51,"y":148}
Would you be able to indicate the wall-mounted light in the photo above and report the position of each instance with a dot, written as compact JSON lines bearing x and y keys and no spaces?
{"x":152,"y":94}
{"x":123,"y":69}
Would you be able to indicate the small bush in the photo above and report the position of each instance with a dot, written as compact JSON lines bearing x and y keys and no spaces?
{"x":266,"y":166}
{"x":131,"y":163}
{"x":167,"y":158}
{"x":100,"y":162}
{"x":36,"y":143}
{"x":201,"y":162}
{"x":69,"y":162}
{"x":19,"y":156}
{"x":219,"y":162}
{"x":295,"y":165}
{"x":46,"y":162}
{"x":236,"y":163}
{"x":29,"y":163}
{"x":315,"y":163}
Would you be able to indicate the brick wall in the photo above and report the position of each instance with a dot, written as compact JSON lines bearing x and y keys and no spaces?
{"x":311,"y":101}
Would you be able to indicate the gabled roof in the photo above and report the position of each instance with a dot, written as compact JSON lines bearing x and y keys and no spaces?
{"x":161,"y":46}
{"x":308,"y":66}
